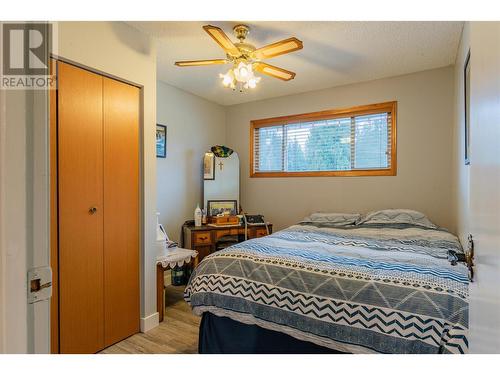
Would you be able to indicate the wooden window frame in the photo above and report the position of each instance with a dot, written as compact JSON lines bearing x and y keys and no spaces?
{"x":324,"y":115}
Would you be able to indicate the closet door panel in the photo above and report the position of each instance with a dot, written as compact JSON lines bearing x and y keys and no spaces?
{"x":80,"y":170}
{"x":121,"y":210}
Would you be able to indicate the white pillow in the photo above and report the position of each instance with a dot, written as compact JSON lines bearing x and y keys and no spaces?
{"x":332,"y":218}
{"x":397,"y":216}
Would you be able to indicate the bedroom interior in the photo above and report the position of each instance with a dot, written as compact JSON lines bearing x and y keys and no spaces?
{"x":252,"y":187}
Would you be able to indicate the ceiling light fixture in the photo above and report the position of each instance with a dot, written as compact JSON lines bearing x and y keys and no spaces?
{"x":241,"y":76}
{"x":246,"y":59}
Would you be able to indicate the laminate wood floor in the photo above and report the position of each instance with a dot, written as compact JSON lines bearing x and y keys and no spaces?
{"x":178,"y":333}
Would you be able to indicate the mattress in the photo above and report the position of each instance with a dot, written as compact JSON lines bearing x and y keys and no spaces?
{"x":356,"y":289}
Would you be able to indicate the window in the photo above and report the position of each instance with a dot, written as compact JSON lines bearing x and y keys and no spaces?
{"x":358,"y":141}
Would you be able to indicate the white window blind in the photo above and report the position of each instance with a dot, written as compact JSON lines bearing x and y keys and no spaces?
{"x":350,"y":143}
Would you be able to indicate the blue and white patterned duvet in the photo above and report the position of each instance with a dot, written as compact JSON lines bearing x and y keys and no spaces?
{"x":359,"y":289}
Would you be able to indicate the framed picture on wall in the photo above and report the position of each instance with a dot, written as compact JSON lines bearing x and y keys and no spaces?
{"x":161,"y":141}
{"x":209,"y":166}
{"x":467,"y":108}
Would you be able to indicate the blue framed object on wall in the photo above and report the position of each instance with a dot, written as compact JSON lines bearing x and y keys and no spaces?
{"x":161,"y":141}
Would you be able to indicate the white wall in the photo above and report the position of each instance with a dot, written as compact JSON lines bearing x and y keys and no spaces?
{"x":193,"y":125}
{"x":120,"y":50}
{"x":424,"y":126}
{"x":478,"y":186}
{"x":460,"y":171}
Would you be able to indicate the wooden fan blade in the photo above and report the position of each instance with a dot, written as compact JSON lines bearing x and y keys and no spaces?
{"x":222,"y":40}
{"x":278,"y":48}
{"x":274,"y":71}
{"x":200,"y":62}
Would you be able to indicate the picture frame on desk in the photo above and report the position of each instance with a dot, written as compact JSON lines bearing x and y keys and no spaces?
{"x":222,"y":206}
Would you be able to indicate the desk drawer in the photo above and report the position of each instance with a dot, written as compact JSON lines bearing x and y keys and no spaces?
{"x":201,"y":238}
{"x":221,"y":233}
{"x":260,"y":232}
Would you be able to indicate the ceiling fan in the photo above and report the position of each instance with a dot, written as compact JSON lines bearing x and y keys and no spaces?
{"x":246,"y":59}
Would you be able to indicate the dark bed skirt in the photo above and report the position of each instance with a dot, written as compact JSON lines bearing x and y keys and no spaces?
{"x":221,"y":335}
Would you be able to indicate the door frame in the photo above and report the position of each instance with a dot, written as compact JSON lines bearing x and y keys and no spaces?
{"x":24,"y":202}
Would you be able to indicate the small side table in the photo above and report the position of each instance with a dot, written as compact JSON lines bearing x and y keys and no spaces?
{"x":169,"y":259}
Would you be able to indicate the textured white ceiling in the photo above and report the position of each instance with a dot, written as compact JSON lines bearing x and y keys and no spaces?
{"x":334,"y":53}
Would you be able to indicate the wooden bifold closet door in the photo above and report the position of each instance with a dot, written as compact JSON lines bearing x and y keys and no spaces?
{"x":98,"y":190}
{"x":81,"y":258}
{"x":121,"y":210}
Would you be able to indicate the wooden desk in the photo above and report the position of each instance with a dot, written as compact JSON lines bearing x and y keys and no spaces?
{"x":203,"y":239}
{"x":168,"y":260}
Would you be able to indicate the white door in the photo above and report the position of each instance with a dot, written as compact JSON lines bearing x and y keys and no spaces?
{"x":485,"y":186}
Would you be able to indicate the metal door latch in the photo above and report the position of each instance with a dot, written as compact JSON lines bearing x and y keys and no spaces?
{"x":469,"y":257}
{"x":39,"y":284}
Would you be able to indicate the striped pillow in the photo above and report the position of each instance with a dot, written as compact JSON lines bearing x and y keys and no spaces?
{"x":332,"y":218}
{"x":397,"y":216}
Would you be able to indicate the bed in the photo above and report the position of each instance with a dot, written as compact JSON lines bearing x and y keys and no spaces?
{"x":386,"y":282}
